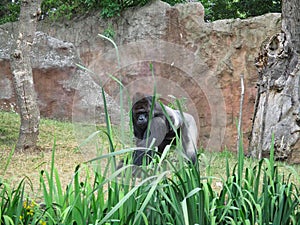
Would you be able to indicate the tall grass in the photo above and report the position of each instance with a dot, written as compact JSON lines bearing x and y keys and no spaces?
{"x":177,"y":195}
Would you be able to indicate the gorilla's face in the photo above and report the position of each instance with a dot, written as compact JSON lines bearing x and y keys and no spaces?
{"x":142,"y":119}
{"x":140,"y":114}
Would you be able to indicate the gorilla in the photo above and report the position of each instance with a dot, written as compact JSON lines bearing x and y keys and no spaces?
{"x":160,"y":131}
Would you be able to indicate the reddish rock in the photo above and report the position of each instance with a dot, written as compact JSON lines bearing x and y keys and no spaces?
{"x":191,"y":59}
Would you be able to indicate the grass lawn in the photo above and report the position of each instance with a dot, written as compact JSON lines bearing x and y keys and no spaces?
{"x":67,"y":156}
{"x":224,"y":189}
{"x":31,"y":163}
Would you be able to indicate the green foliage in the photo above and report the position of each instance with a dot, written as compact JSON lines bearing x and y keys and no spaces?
{"x":67,"y":9}
{"x":109,"y":32}
{"x":174,"y":2}
{"x":110,"y":8}
{"x":258,"y":7}
{"x":8,"y":129}
{"x":220,"y":9}
{"x":9,"y":12}
{"x":177,"y":195}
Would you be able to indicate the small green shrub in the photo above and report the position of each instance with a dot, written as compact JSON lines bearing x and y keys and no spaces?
{"x":109,"y":32}
{"x":65,"y":9}
{"x":110,"y":9}
{"x":9,"y":12}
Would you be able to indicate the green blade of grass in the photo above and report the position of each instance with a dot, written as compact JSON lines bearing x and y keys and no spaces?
{"x":8,"y":160}
{"x":149,"y":195}
{"x":123,"y":200}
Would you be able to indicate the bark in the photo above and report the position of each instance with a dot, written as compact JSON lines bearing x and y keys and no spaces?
{"x":277,"y":107}
{"x":22,"y":75}
{"x":291,"y":22}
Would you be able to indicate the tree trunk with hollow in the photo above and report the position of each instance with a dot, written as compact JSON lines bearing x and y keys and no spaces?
{"x":22,"y":75}
{"x":277,"y":107}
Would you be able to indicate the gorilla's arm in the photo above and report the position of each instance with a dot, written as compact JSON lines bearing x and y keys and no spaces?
{"x":188,"y":131}
{"x":157,"y":132}
{"x":189,"y":134}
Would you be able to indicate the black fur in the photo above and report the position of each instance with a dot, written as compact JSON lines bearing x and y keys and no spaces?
{"x":160,"y":129}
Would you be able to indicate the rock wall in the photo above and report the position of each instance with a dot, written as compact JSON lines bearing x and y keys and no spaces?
{"x":58,"y":80}
{"x":171,"y":48}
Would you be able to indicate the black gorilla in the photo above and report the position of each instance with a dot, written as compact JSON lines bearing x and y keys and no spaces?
{"x":160,"y":130}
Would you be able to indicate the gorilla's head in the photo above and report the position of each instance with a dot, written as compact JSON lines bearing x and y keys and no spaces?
{"x":140,"y":112}
{"x":141,"y":108}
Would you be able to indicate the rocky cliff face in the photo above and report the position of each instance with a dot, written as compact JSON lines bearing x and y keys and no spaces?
{"x":170,"y":48}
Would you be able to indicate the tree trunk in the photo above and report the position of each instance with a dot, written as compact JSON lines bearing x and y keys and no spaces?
{"x":22,"y":75}
{"x":277,"y":107}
